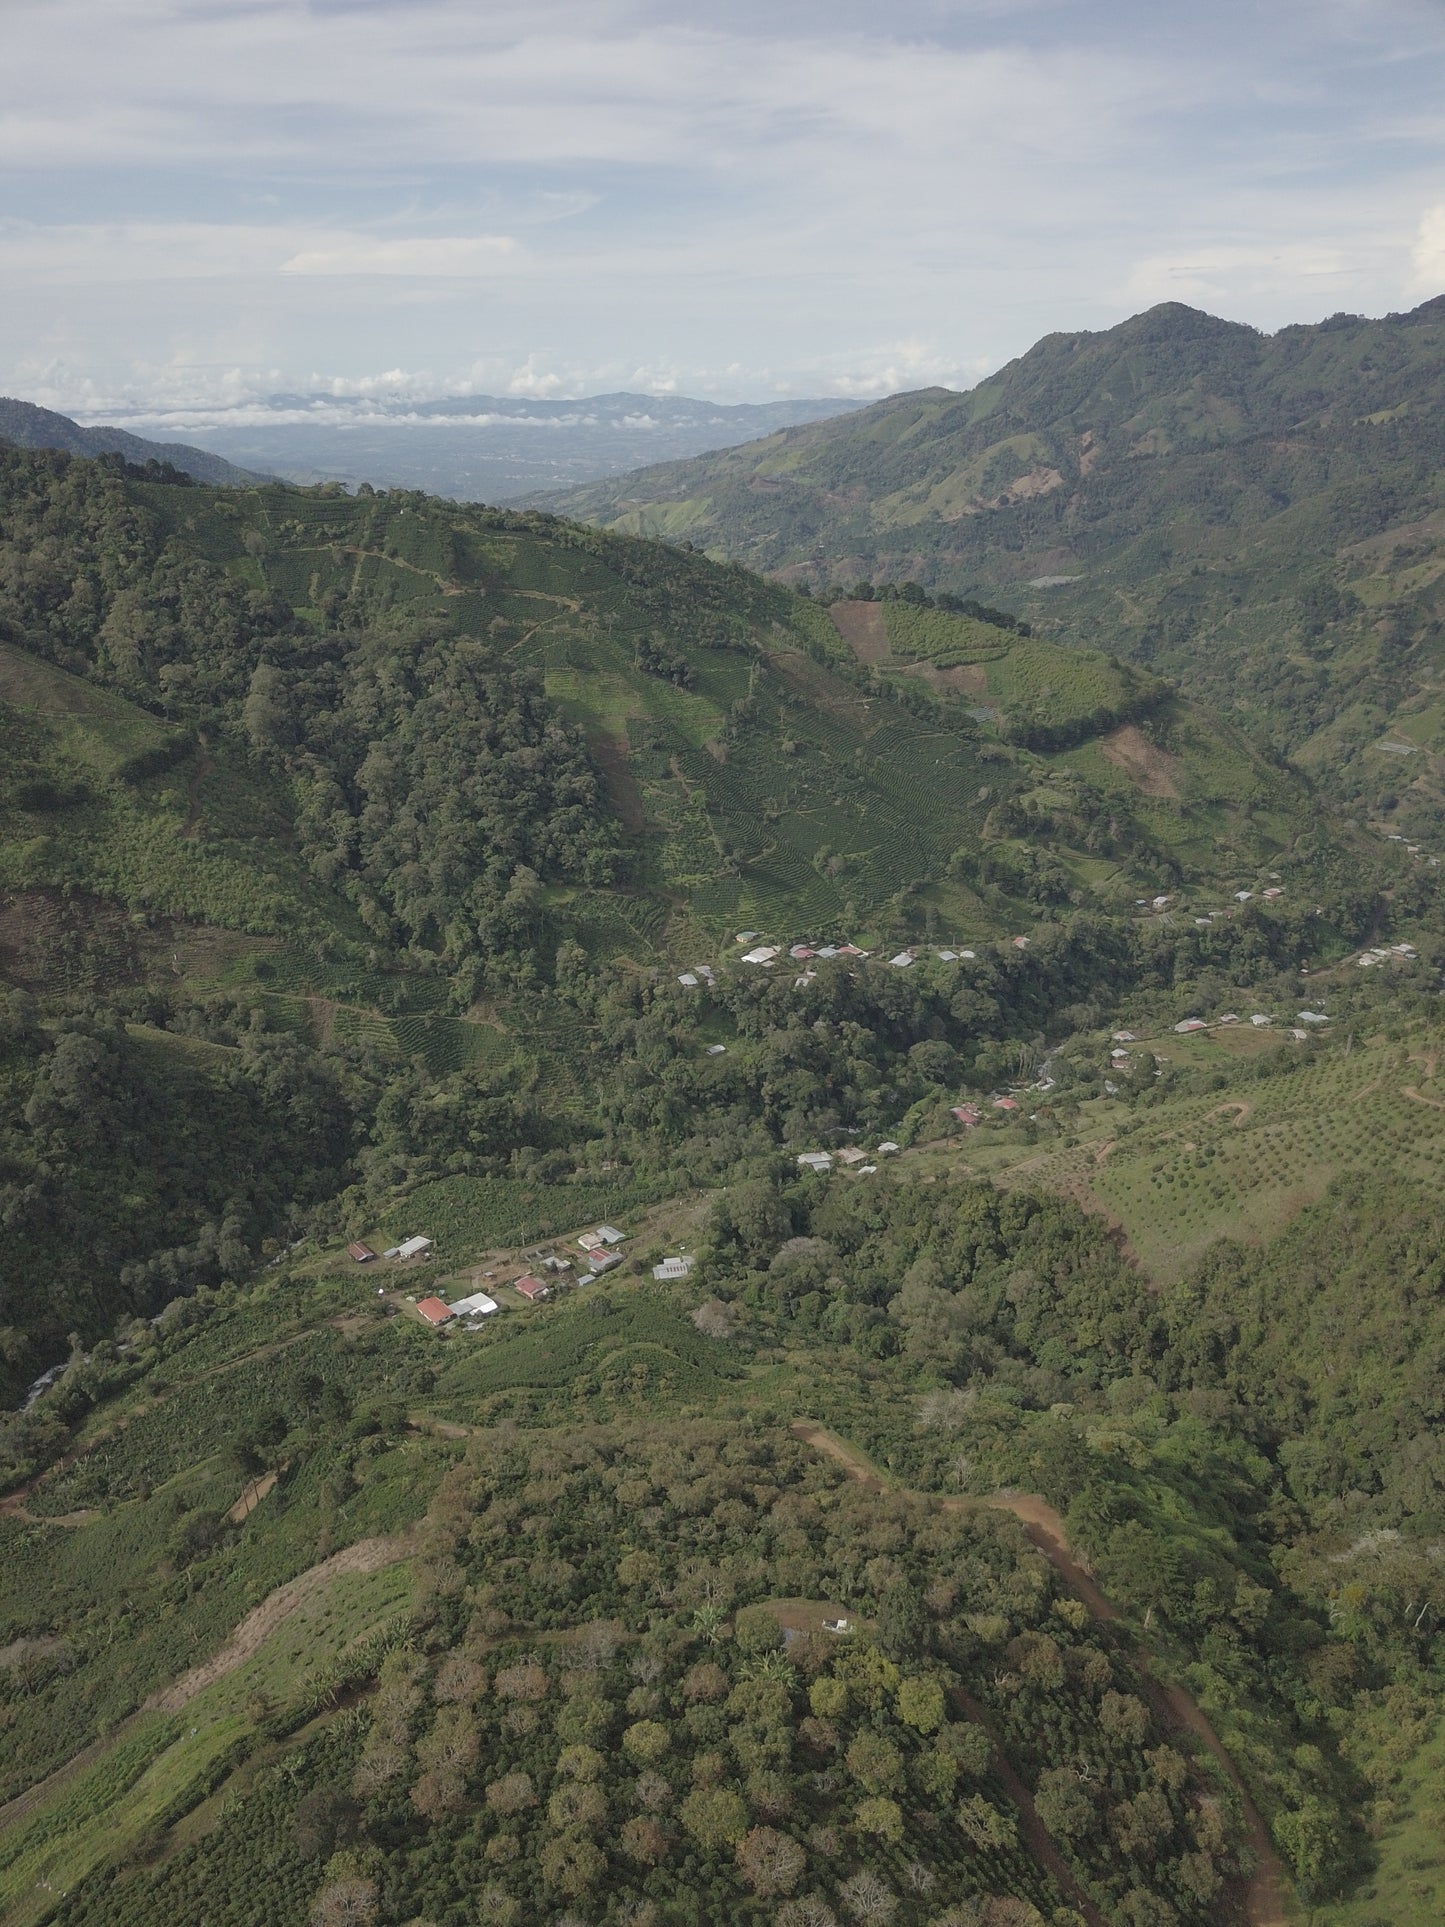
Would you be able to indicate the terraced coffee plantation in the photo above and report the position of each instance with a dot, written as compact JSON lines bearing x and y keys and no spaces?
{"x":1241,"y":1161}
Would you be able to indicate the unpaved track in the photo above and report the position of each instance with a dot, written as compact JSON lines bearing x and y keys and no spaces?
{"x":367,"y":1555}
{"x":1268,"y":1898}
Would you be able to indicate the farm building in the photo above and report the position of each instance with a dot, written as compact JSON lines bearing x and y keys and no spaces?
{"x":477,"y":1306}
{"x":531,"y":1288}
{"x":610,"y":1235}
{"x":836,"y":1625}
{"x":1191,"y":1024}
{"x":1005,"y":1104}
{"x":902,"y":961}
{"x":688,"y":980}
{"x":1259,"y":1020}
{"x":590,"y":1241}
{"x":765,"y":953}
{"x":672,"y":1268}
{"x":601,"y":1261}
{"x":851,"y":1154}
{"x":819,"y":1161}
{"x":433,"y":1311}
{"x":888,"y":1149}
{"x":363,"y":1254}
{"x":967,"y":1114}
{"x":414,"y":1248}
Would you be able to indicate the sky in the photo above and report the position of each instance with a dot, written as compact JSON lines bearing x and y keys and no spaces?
{"x":203,"y":202}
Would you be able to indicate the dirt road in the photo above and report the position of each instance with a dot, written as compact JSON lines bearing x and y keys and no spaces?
{"x":1268,"y":1898}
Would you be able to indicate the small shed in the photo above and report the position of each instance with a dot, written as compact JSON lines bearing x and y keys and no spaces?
{"x":672,"y":1268}
{"x":414,"y":1248}
{"x":851,"y":1154}
{"x":888,"y":1148}
{"x":363,"y":1254}
{"x":434,"y":1311}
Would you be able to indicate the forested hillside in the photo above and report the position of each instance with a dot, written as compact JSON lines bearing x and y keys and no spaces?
{"x":24,"y":425}
{"x":1254,"y":515}
{"x":915,"y":1002}
{"x":313,"y":801}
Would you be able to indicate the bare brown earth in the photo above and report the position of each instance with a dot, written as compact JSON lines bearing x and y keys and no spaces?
{"x":251,"y":1496}
{"x":1267,"y":1898}
{"x":367,"y":1555}
{"x":1152,"y":770}
{"x":862,"y":627}
{"x":964,"y":679}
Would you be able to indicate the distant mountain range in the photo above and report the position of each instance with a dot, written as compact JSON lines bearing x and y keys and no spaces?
{"x":1260,"y":516}
{"x":492,"y":448}
{"x":24,"y":425}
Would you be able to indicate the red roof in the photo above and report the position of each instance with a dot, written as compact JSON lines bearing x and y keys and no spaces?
{"x":531,"y":1287}
{"x":966,"y":1113}
{"x":1005,"y":1104}
{"x":434,"y":1311}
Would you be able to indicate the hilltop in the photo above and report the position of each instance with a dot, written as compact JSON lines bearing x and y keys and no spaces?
{"x":1253,"y":514}
{"x":25,"y":425}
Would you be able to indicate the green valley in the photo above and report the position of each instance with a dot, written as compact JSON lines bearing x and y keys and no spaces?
{"x":673,"y":1280}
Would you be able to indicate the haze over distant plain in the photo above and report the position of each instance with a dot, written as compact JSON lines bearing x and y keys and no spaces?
{"x":212,"y":201}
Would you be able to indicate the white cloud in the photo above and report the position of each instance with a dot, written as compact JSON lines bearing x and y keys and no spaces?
{"x":443,"y":256}
{"x":801,"y":196}
{"x":1428,"y":254}
{"x":1233,"y":275}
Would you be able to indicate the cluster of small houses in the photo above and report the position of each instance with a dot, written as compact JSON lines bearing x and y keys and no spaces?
{"x":599,"y":1256}
{"x":1394,"y":836}
{"x":766,"y":956}
{"x":1271,"y":895}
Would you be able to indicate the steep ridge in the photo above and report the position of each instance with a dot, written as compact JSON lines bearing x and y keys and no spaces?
{"x":1256,"y":515}
{"x":26,"y":425}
